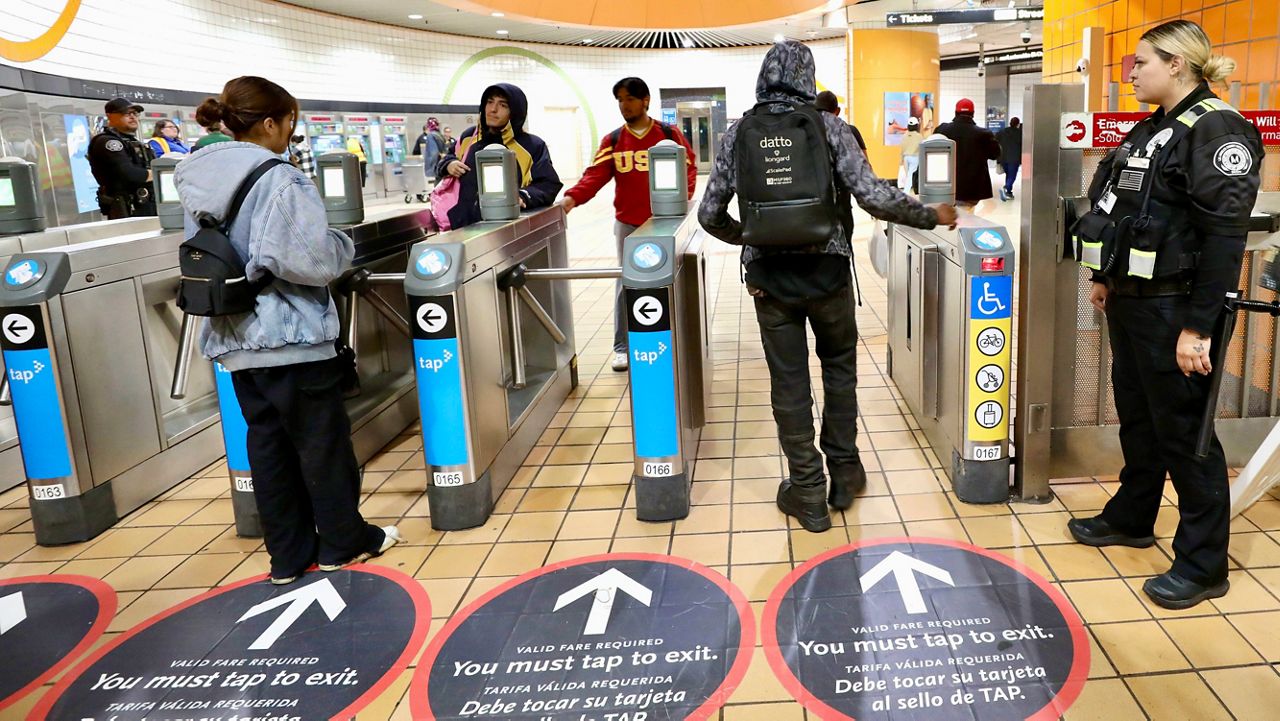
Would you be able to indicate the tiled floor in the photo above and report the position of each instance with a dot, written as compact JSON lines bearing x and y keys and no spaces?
{"x":572,"y":498}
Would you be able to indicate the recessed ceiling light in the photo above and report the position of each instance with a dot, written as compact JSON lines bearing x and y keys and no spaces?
{"x":588,"y":40}
{"x":415,"y":17}
{"x":503,"y":32}
{"x":498,"y":15}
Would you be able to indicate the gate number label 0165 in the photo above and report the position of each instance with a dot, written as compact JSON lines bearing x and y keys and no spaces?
{"x":448,"y":480}
{"x":986,"y":453}
{"x":48,"y":493}
{"x":658,"y":470}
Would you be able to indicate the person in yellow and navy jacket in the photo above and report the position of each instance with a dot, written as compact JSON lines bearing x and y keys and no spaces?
{"x":1165,"y":240}
{"x":503,"y":109}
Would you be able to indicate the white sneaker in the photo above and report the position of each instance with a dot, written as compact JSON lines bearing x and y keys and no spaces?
{"x":620,"y":362}
{"x":392,"y":538}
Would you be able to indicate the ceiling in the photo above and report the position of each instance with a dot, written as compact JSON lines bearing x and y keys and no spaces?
{"x":828,"y":20}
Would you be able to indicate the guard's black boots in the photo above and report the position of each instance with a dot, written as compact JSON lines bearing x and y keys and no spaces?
{"x":1097,"y":532}
{"x":805,"y":504}
{"x":1169,"y":590}
{"x":847,"y":481}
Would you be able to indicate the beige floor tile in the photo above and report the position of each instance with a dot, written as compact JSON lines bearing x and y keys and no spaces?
{"x":908,"y":482}
{"x":758,"y":581}
{"x":1076,"y":562}
{"x":565,"y":550}
{"x":708,"y":493}
{"x":715,"y":449}
{"x":1249,"y":693}
{"x":454,"y":561}
{"x":709,"y":549}
{"x":760,"y":684}
{"x":642,"y":544}
{"x":1081,"y":497}
{"x":1246,"y":594}
{"x":203,"y":570}
{"x":760,"y":547}
{"x":91,"y":567}
{"x":1139,"y":647}
{"x":1260,"y":630}
{"x":948,"y":528}
{"x":1265,"y":514}
{"x":599,"y":497}
{"x":806,"y":545}
{"x":566,"y":455}
{"x":387,"y":461}
{"x":757,"y":517}
{"x":754,"y":447}
{"x":559,"y":476}
{"x":755,"y":490}
{"x":717,"y":432}
{"x":1105,"y":601}
{"x":254,"y":565}
{"x":613,"y":453}
{"x":541,"y":526}
{"x":1210,"y":641}
{"x":513,"y":559}
{"x":1137,"y":561}
{"x":148,"y":605}
{"x":892,"y":440}
{"x":1047,"y":528}
{"x":122,"y":542}
{"x":1099,"y":666}
{"x":217,"y":512}
{"x":871,"y":531}
{"x":1105,"y":700}
{"x":583,"y":436}
{"x":629,"y":526}
{"x":902,"y":460}
{"x":229,"y":542}
{"x":546,"y":499}
{"x":924,"y":507}
{"x":872,"y":511}
{"x":488,"y":532}
{"x":996,"y":531}
{"x":1254,"y":550}
{"x":589,"y":524}
{"x":1177,"y":696}
{"x":22,"y":547}
{"x":164,"y":513}
{"x":756,"y":429}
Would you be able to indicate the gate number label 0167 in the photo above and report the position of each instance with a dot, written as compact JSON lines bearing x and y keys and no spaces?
{"x":986,"y":453}
{"x":448,"y":480}
{"x":658,"y":470}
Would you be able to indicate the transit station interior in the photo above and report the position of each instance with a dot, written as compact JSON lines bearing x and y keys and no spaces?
{"x":994,"y":451}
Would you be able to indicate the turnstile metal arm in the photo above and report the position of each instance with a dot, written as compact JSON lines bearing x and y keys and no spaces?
{"x":518,"y":379}
{"x":386,"y":310}
{"x":541,"y":314}
{"x":573,"y":273}
{"x":6,"y":398}
{"x":182,"y":364}
{"x":1223,"y":332}
{"x":514,"y":281}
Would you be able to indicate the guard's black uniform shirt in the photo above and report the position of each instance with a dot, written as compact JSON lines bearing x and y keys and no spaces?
{"x":1206,"y":175}
{"x":119,"y":162}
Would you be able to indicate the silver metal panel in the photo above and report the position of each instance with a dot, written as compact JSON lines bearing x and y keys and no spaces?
{"x":113,"y":381}
{"x":161,"y":326}
{"x":159,"y":472}
{"x":483,"y":360}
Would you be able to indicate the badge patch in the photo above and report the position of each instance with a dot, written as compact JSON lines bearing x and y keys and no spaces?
{"x":1159,"y":139}
{"x":1131,"y":180}
{"x":1233,"y":159}
{"x":115,"y":146}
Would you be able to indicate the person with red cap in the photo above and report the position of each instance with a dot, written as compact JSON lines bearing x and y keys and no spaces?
{"x":974,"y":147}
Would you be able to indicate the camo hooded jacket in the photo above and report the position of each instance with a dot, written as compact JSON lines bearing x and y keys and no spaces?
{"x":787,"y":79}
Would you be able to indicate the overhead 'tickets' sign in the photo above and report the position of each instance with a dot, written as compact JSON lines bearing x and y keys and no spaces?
{"x":956,"y":17}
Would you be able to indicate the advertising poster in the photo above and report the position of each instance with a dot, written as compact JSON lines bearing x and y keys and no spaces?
{"x":78,"y":137}
{"x":898,"y":107}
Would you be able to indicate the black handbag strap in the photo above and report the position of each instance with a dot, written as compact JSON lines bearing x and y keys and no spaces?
{"x":243,"y":191}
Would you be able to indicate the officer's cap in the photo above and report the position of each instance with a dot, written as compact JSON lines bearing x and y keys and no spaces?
{"x":120,"y":105}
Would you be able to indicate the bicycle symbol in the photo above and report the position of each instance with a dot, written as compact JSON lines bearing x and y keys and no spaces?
{"x":989,"y":303}
{"x":991,"y":341}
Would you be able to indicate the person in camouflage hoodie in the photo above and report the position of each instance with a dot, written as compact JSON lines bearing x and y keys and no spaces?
{"x":792,"y":285}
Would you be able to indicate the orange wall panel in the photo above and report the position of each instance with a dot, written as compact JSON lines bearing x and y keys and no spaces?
{"x":884,"y":61}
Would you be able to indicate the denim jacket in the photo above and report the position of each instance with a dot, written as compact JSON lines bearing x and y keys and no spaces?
{"x":281,"y":229}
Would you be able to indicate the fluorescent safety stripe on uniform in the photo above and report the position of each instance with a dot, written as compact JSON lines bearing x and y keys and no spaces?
{"x":1142,"y":263}
{"x":1090,"y":254}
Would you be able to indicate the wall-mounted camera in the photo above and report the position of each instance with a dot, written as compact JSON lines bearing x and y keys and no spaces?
{"x":1082,"y":66}
{"x":1026,"y":37}
{"x":982,"y":69}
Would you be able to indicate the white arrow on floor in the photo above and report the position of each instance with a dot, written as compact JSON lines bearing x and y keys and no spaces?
{"x":297,"y":601}
{"x":605,"y":587}
{"x":13,"y":611}
{"x":904,"y":568}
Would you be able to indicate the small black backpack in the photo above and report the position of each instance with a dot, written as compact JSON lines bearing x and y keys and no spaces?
{"x":786,"y":195}
{"x":212,"y":280}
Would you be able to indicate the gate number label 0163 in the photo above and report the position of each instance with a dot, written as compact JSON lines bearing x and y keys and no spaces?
{"x":48,"y":493}
{"x":658,"y":470}
{"x":448,"y":480}
{"x":986,"y":453}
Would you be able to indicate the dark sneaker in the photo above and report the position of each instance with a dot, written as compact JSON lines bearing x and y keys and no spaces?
{"x":847,"y":481}
{"x":806,"y":504}
{"x":1097,"y":532}
{"x":1169,"y":590}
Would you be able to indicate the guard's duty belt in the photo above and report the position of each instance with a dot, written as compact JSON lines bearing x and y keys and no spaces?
{"x":1155,"y":288}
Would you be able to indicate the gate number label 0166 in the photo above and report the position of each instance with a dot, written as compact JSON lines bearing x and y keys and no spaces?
{"x":986,"y":453}
{"x":48,"y":493}
{"x":448,"y":480}
{"x":658,"y":470}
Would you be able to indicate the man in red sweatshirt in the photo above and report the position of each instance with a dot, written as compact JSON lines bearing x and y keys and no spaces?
{"x":624,"y":157}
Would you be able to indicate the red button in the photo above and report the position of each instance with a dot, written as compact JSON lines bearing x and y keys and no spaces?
{"x":992,"y":265}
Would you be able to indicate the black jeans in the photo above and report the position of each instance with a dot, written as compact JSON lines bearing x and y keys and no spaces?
{"x":305,"y":478}
{"x":1160,"y":411}
{"x":786,"y":350}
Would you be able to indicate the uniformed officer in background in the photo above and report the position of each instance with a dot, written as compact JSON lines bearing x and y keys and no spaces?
{"x":1165,"y":240}
{"x":121,"y":164}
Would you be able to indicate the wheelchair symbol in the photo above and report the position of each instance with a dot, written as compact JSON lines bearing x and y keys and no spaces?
{"x":989,"y":303}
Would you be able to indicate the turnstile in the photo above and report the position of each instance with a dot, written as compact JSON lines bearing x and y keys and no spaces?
{"x":950,"y":336}
{"x":90,"y":338}
{"x":664,"y":282}
{"x":493,"y":354}
{"x":373,"y":324}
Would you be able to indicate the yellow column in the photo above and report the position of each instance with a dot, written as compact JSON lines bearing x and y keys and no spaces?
{"x":900,"y":62}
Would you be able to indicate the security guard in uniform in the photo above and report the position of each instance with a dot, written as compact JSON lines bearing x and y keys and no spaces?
{"x":121,"y":164}
{"x":1165,"y":240}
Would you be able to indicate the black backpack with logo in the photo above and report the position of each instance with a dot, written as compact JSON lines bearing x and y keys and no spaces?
{"x":786,"y":194}
{"x":212,"y":281}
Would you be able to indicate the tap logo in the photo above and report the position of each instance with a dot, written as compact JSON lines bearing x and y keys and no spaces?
{"x":24,"y":51}
{"x":651,"y":357}
{"x":435,"y":364}
{"x":24,"y":377}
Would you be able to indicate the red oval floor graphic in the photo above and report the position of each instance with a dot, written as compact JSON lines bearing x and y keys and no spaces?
{"x":904,"y":629}
{"x":617,"y":637}
{"x":46,"y":623}
{"x":323,"y":647}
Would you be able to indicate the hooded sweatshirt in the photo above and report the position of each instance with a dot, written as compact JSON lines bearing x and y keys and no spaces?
{"x":281,"y":229}
{"x":787,"y":79}
{"x":539,"y":183}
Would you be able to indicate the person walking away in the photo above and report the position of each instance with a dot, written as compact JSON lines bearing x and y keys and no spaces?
{"x":503,"y":110}
{"x":797,"y":262}
{"x":827,"y":102}
{"x":974,"y":147}
{"x":911,"y":153}
{"x":624,"y":157}
{"x":281,"y":355}
{"x":1010,"y":140}
{"x":431,"y":146}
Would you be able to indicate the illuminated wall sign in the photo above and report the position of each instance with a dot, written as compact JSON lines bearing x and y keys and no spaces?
{"x":956,"y":17}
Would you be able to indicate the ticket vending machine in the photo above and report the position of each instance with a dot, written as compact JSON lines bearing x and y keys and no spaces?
{"x":326,"y":134}
{"x":394,"y":150}
{"x":950,"y":334}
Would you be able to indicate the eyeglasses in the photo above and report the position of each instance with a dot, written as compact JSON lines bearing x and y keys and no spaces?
{"x":130,"y":113}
